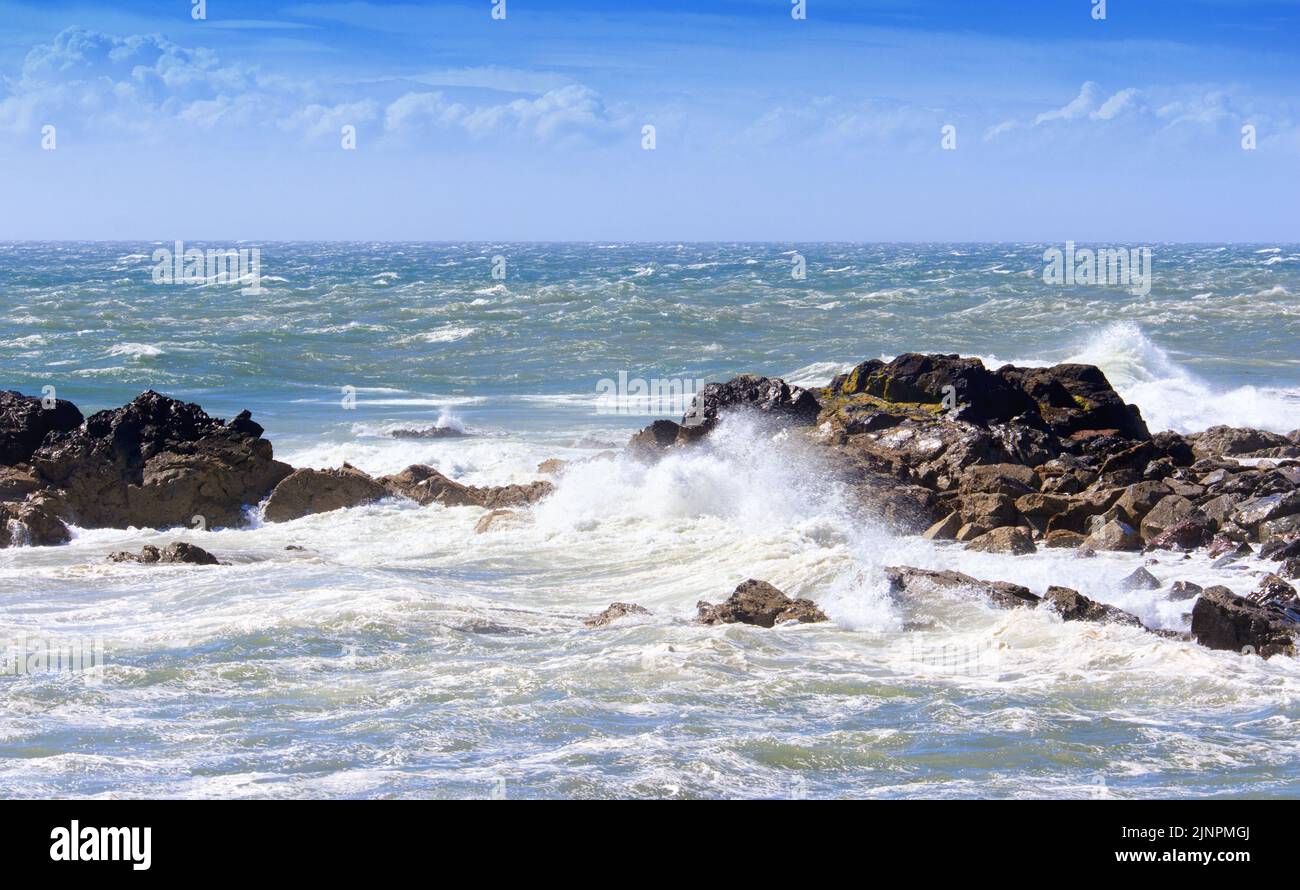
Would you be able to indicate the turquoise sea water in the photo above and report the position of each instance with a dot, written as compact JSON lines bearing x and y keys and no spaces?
{"x":400,"y":653}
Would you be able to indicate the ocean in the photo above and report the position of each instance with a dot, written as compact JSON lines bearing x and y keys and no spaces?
{"x":401,"y":654}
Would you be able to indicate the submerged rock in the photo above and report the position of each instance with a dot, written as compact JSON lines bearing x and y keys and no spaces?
{"x":906,"y":579}
{"x":306,"y":492}
{"x":425,"y":485}
{"x":757,"y":602}
{"x":33,"y":523}
{"x":1140,"y":579}
{"x":494,"y":519}
{"x":175,"y":552}
{"x":1074,"y":606}
{"x":613,"y":613}
{"x":433,"y":432}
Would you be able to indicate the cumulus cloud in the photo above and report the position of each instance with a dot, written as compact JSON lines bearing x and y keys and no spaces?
{"x":144,"y":83}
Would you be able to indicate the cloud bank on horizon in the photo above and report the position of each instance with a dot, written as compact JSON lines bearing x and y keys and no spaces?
{"x":517,"y":120}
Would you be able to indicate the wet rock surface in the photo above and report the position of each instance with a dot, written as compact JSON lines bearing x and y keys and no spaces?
{"x":759,"y":603}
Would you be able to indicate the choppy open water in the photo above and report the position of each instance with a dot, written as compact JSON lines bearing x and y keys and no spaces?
{"x":401,"y":654}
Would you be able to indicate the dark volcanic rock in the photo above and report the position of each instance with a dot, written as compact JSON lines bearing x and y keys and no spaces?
{"x":1073,"y":398}
{"x":977,"y":394}
{"x":1074,"y":606}
{"x":24,"y":424}
{"x":772,"y":396}
{"x":1223,"y":620}
{"x":613,"y":613}
{"x":905,"y":579}
{"x":757,"y":602}
{"x":157,"y":462}
{"x":175,"y":552}
{"x":308,"y":491}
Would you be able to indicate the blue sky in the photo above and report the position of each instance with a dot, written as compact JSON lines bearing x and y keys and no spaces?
{"x":767,"y":128}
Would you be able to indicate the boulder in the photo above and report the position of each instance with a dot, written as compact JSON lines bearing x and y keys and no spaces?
{"x":1139,"y":579}
{"x":1290,"y":568}
{"x":307,"y":491}
{"x":1273,"y":590}
{"x":1195,"y":531}
{"x":1168,"y":512}
{"x":17,"y":482}
{"x":1074,"y":606}
{"x":1258,"y":510}
{"x":1007,"y":539}
{"x":988,"y":510}
{"x":1223,"y":620}
{"x":1184,"y":590}
{"x":157,"y":462}
{"x":1062,"y":538}
{"x":945,"y":529}
{"x":1140,"y":497}
{"x":913,"y":581}
{"x":32,"y":523}
{"x":1005,"y":479}
{"x":613,"y":613}
{"x":757,"y":602}
{"x":1072,"y":398}
{"x":1114,"y":535}
{"x":1280,"y":548}
{"x":25,"y":422}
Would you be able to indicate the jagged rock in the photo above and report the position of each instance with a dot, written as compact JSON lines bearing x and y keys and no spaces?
{"x":906,"y":579}
{"x":307,"y":491}
{"x":945,"y":529}
{"x":663,"y":434}
{"x":175,"y":552}
{"x":1008,"y":539}
{"x":772,"y":396}
{"x":757,"y":602}
{"x":1168,"y":512}
{"x":1074,"y":606}
{"x":1223,"y":620}
{"x":493,"y":519}
{"x":1175,"y":447}
{"x":977,"y":394}
{"x":1184,"y":590}
{"x":1072,"y":398}
{"x":613,"y":613}
{"x":25,"y":422}
{"x":157,"y":462}
{"x":1114,"y":535}
{"x":33,"y":523}
{"x":1139,"y":579}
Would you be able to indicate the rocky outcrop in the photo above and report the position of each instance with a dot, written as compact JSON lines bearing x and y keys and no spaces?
{"x":757,"y":602}
{"x":433,"y":432}
{"x":157,"y":462}
{"x":175,"y":552}
{"x":305,"y":492}
{"x":1223,"y":620}
{"x":613,"y":613}
{"x":25,"y":422}
{"x":1076,"y":398}
{"x":770,"y":397}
